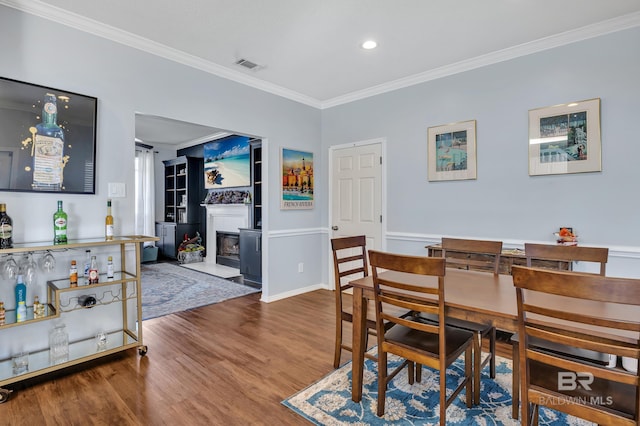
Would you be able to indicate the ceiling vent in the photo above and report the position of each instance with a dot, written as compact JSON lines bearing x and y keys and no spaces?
{"x":247,"y":64}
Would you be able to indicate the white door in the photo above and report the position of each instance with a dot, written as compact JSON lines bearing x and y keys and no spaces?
{"x":356,"y":192}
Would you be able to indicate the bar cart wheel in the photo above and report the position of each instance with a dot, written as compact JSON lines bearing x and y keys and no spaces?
{"x":4,"y":395}
{"x":142,"y":350}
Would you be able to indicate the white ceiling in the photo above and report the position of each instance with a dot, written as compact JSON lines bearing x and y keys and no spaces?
{"x":309,"y":51}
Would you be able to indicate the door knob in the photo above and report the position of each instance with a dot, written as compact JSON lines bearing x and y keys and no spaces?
{"x":334,"y":228}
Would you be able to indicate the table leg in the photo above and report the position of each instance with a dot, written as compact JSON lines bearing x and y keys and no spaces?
{"x":358,"y":345}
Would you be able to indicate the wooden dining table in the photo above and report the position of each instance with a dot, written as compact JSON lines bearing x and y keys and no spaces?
{"x":471,"y":295}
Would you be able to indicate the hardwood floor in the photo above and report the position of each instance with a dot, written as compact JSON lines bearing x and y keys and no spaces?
{"x":223,"y":364}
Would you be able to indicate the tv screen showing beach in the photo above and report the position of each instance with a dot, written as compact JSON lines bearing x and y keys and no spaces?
{"x":227,"y":163}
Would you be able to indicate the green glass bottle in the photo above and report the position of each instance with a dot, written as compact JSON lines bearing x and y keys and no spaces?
{"x":60,"y":226}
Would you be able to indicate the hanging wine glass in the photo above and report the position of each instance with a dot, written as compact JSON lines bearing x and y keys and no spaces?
{"x":48,"y":262}
{"x":10,"y":268}
{"x":28,"y":269}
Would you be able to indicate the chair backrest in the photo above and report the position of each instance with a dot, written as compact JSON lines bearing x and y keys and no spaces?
{"x":472,"y":254}
{"x":349,"y":260}
{"x":400,"y":286}
{"x":567,"y":254}
{"x":585,"y":311}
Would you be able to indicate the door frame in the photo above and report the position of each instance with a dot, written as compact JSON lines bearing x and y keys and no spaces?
{"x":383,"y":197}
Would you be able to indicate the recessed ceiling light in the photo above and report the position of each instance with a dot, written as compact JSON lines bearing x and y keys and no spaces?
{"x":369,"y":44}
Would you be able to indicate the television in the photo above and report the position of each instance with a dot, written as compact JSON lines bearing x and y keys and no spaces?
{"x":48,"y":139}
{"x":227,"y":163}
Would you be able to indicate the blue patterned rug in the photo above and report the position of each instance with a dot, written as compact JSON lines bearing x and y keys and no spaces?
{"x":168,"y":288}
{"x":328,"y":401}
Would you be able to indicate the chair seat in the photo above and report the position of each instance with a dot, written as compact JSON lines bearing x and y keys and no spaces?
{"x":568,"y":352}
{"x":429,"y":342}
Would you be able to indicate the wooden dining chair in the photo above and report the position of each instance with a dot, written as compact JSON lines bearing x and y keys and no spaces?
{"x":558,"y":255}
{"x":578,"y":387}
{"x":563,"y":254}
{"x":400,"y":283}
{"x":480,"y":255}
{"x":349,"y":263}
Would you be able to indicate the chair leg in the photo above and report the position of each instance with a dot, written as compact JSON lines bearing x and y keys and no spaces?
{"x":418,"y":373}
{"x":411,"y":368}
{"x":382,"y":382}
{"x":443,"y":397}
{"x":515,"y":382}
{"x":469,"y":374}
{"x":477,"y":362}
{"x":338,"y":349}
{"x":492,"y":350}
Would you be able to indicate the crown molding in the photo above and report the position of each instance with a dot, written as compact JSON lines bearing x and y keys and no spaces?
{"x":590,"y":31}
{"x":91,"y":26}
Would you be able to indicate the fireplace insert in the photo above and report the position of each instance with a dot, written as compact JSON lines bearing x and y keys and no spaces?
{"x":228,"y":248}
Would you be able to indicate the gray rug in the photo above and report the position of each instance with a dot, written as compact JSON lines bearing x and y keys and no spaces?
{"x":168,"y":288}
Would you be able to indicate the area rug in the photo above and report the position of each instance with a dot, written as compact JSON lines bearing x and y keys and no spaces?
{"x":328,"y":401}
{"x":168,"y":288}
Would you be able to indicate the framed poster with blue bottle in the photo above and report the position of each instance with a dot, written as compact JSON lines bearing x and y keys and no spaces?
{"x":48,"y":140}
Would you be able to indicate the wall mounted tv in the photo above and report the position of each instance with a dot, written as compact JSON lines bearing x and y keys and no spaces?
{"x":48,"y":139}
{"x":227,"y":163}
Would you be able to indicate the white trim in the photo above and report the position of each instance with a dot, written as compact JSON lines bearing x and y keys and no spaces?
{"x":285,"y":233}
{"x":292,"y":293}
{"x":91,"y":26}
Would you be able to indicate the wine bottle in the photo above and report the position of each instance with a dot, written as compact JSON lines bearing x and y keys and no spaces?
{"x":110,"y":272}
{"x":2,"y":313}
{"x":6,"y":228}
{"x":108,"y":223}
{"x":93,"y":271}
{"x":48,"y":148}
{"x":60,"y":226}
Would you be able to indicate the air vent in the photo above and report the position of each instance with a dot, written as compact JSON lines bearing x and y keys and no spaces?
{"x":247,"y":64}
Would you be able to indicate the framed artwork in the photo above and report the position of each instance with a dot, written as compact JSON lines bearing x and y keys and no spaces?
{"x":452,"y":151}
{"x":565,"y":138}
{"x":48,"y":139}
{"x":297,"y":179}
{"x":227,"y":163}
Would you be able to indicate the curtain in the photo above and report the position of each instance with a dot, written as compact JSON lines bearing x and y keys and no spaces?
{"x":145,"y":192}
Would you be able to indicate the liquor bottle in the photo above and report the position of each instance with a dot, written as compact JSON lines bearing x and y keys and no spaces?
{"x":108,"y":222}
{"x":21,"y":300}
{"x":110,"y":268}
{"x":87,"y":265}
{"x":38,"y":308}
{"x":60,"y":226}
{"x":48,"y":148}
{"x":93,"y":271}
{"x":2,"y":313}
{"x":73,"y":274}
{"x":6,"y":228}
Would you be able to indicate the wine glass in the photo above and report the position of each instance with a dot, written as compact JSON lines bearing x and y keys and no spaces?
{"x":10,"y":268}
{"x":28,"y":269}
{"x":48,"y":262}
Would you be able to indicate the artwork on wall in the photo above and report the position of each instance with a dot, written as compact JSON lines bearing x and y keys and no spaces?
{"x":565,"y":138}
{"x":297,"y":179}
{"x":48,"y":139}
{"x":452,"y":151}
{"x":227,"y":163}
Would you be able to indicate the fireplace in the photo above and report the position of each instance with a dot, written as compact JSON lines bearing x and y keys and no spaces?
{"x":225,"y":219}
{"x":228,"y":248}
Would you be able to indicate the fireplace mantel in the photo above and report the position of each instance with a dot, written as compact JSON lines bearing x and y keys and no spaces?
{"x":224,"y":217}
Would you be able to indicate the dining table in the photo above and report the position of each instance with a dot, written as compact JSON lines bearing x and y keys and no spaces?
{"x":474,"y":296}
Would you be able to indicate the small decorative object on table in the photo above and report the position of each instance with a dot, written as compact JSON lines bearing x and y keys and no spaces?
{"x":191,"y":249}
{"x":566,"y":237}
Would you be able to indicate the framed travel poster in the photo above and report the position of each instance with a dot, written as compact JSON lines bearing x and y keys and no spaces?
{"x":565,"y":138}
{"x":452,"y":151}
{"x":297,"y":179}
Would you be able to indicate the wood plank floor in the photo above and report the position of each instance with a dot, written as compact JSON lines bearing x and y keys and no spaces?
{"x":223,"y":364}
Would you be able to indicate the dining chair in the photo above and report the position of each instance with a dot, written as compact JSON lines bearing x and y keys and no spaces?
{"x":480,"y":255}
{"x":578,"y":387}
{"x":562,"y":254}
{"x":349,"y":263}
{"x":400,"y":284}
